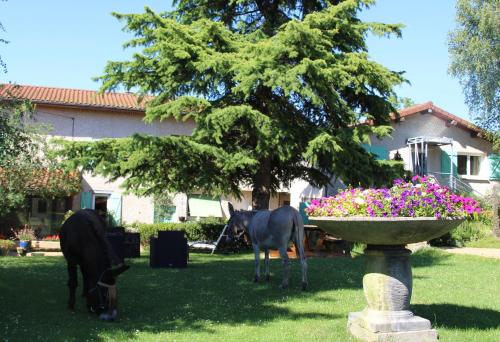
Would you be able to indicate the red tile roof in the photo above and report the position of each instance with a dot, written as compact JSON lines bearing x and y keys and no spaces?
{"x":74,"y":97}
{"x":431,"y":108}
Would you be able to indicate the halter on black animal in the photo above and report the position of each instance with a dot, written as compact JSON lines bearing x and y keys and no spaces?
{"x":111,"y":295}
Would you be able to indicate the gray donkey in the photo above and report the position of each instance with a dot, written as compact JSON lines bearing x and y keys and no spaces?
{"x":271,"y":229}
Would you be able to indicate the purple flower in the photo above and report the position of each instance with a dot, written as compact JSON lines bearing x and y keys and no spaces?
{"x":401,"y":200}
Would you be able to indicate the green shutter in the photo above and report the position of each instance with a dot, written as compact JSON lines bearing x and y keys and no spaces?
{"x":302,"y":211}
{"x":380,"y":152}
{"x":446,"y":159}
{"x":86,"y":200}
{"x":114,"y":206}
{"x":494,"y":166}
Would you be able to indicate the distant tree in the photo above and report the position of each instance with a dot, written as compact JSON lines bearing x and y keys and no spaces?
{"x":474,"y":46}
{"x":18,"y":154}
{"x":25,"y":168}
{"x":3,"y":66}
{"x":276,"y":88}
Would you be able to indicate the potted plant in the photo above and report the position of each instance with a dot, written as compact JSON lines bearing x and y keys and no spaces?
{"x":25,"y":235}
{"x":386,"y":220}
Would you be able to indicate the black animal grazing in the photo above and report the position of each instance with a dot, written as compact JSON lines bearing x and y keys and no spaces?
{"x":83,"y":243}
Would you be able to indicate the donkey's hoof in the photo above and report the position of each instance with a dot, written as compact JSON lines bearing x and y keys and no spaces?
{"x":256,"y":279}
{"x":304,"y":286}
{"x":283,"y":286}
{"x":268,"y":277}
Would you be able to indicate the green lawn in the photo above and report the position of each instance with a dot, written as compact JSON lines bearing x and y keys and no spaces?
{"x":488,"y":242}
{"x":214,"y":300}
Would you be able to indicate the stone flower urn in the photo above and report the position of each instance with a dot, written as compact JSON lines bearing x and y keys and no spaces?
{"x":387,"y":282}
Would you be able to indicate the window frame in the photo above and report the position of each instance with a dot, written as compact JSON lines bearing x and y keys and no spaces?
{"x":469,"y":164}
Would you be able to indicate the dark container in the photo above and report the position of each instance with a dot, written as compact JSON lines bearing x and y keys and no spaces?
{"x":170,"y":249}
{"x":116,"y":238}
{"x":132,"y":245}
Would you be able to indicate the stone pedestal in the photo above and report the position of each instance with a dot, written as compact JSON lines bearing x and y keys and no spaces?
{"x":387,"y":285}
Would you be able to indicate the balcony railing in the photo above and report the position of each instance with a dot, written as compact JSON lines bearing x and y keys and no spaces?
{"x":454,"y":183}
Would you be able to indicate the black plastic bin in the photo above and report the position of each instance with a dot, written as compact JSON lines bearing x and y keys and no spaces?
{"x":124,"y":244}
{"x":115,"y":237}
{"x":169,"y":249}
{"x":132,"y":245}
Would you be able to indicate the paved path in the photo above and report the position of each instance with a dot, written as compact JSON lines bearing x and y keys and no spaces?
{"x":44,"y":254}
{"x":485,"y":252}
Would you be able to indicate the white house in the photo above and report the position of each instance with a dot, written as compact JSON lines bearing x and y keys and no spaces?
{"x":432,"y":141}
{"x":425,"y":136}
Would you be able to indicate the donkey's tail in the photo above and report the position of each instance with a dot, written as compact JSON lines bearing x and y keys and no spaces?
{"x":298,"y":234}
{"x":298,"y":231}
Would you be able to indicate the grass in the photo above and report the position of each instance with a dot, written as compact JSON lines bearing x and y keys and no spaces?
{"x":214,"y":300}
{"x":488,"y":242}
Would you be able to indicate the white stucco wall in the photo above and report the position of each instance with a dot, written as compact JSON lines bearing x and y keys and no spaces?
{"x":81,"y":124}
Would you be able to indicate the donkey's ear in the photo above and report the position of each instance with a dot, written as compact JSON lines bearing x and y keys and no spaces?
{"x":120,"y":270}
{"x":231,"y":208}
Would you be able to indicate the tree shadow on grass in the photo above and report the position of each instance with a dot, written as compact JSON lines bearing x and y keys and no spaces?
{"x":458,"y":316}
{"x":214,"y":289}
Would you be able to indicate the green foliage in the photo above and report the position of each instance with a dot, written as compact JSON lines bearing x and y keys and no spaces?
{"x":275,"y":88}
{"x":468,"y":231}
{"x":25,"y":170}
{"x":207,"y":229}
{"x":475,"y":58}
{"x":18,"y":155}
{"x":25,"y":234}
{"x":67,"y":215}
{"x":6,"y":246}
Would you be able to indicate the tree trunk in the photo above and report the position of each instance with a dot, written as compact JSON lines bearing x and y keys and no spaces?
{"x":261,"y":192}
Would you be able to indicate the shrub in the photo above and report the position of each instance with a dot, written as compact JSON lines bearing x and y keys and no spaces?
{"x":6,"y":245}
{"x":469,"y":230}
{"x":207,"y":229}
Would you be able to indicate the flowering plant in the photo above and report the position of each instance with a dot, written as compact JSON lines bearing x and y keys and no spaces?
{"x":25,"y":234}
{"x":422,"y":197}
{"x":51,"y":238}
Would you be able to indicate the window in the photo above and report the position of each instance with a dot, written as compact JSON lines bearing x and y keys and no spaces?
{"x":468,"y":165}
{"x":462,"y":165}
{"x":46,"y":214}
{"x":474,"y":165}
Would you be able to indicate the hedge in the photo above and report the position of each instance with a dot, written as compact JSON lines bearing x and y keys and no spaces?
{"x":207,"y":229}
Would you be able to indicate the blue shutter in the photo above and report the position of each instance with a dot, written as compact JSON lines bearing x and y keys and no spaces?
{"x":114,"y":207}
{"x":86,"y":200}
{"x":494,"y":166}
{"x":302,"y":211}
{"x":380,"y":152}
{"x":446,"y":159}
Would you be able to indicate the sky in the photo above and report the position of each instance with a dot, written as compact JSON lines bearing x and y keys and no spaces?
{"x":65,"y":43}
